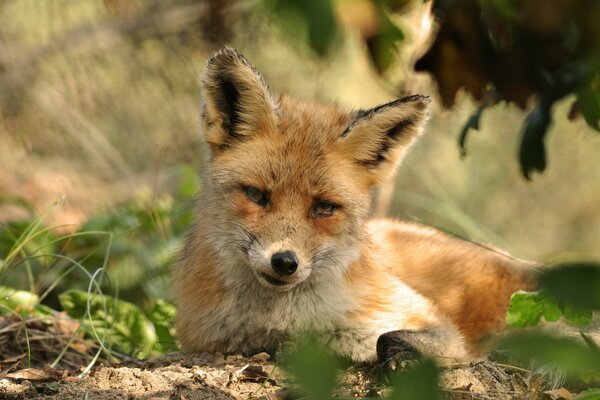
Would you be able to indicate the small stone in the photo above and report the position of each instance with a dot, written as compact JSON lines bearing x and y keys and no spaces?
{"x":199,"y":374}
{"x":230,"y":359}
{"x":260,"y":357}
{"x":217,"y":378}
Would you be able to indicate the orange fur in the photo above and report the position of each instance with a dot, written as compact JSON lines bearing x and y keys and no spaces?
{"x":290,"y":176}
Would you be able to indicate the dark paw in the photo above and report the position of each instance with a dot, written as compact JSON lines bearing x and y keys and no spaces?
{"x":395,"y":353}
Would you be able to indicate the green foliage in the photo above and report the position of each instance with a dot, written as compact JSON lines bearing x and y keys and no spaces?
{"x":133,"y":247}
{"x":146,"y":234}
{"x":577,"y":285}
{"x":532,"y":152}
{"x":136,"y":244}
{"x":527,"y":309}
{"x":472,"y":123}
{"x":588,"y":100}
{"x":162,"y":315}
{"x":313,"y":367}
{"x":22,"y":302}
{"x":420,"y":382}
{"x":569,"y":291}
{"x":117,"y":322}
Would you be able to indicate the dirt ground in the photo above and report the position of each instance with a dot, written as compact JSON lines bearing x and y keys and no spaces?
{"x":181,"y":376}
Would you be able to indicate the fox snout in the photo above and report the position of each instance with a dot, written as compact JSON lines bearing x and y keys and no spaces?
{"x":280,"y":265}
{"x":284,"y":263}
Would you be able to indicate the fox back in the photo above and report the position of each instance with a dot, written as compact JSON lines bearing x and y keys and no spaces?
{"x":282,"y":242}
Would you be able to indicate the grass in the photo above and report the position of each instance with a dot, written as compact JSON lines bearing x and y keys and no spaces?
{"x":47,"y":275}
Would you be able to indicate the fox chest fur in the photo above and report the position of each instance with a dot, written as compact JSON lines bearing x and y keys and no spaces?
{"x":282,"y":243}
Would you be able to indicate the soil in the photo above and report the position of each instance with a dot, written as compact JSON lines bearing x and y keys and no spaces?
{"x":43,"y":358}
{"x":184,"y":376}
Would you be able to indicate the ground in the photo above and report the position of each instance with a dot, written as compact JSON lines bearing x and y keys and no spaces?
{"x":184,"y":376}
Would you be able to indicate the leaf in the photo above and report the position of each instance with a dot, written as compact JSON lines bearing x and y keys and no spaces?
{"x":472,"y":123}
{"x":162,"y":315}
{"x":527,"y":308}
{"x":588,"y":101}
{"x":420,"y":382}
{"x":576,"y":285}
{"x":118,"y":322}
{"x":314,"y":368}
{"x":577,"y":317}
{"x":9,"y":364}
{"x":532,"y":154}
{"x":566,"y":353}
{"x":20,"y":301}
{"x":33,"y":375}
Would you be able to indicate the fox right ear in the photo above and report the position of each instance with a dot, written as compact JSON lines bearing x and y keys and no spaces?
{"x":377,"y":139}
{"x":237,"y":101}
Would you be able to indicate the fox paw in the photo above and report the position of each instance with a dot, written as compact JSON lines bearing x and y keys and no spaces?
{"x":395,"y":353}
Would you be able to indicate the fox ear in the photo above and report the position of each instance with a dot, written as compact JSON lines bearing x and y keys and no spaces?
{"x":377,"y":139}
{"x":237,"y":101}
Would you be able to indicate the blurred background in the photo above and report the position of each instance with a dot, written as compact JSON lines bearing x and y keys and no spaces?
{"x":99,"y":119}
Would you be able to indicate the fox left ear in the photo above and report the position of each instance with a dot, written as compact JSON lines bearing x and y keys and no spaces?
{"x":377,"y":139}
{"x":237,"y":101}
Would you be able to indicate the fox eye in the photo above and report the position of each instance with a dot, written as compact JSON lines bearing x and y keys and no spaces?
{"x":323,"y":209}
{"x":256,"y":195}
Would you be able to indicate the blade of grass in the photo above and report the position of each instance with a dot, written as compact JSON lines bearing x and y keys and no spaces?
{"x":27,"y":235}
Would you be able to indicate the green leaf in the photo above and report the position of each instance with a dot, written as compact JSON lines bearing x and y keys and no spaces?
{"x":20,"y":301}
{"x":575,"y":358}
{"x":420,"y":382}
{"x":575,"y":285}
{"x":577,"y":317}
{"x":24,"y":303}
{"x":313,"y":367}
{"x":588,"y":100}
{"x":527,"y":308}
{"x":118,"y":322}
{"x":472,"y":123}
{"x":532,"y":154}
{"x":162,"y":316}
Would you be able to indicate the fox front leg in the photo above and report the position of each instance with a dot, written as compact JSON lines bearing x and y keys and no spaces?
{"x":398,"y":349}
{"x":394,"y":350}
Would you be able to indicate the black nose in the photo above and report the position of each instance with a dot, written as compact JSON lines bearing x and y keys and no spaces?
{"x":284,"y":262}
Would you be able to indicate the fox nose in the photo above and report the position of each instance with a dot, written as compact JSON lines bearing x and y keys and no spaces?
{"x":284,"y":262}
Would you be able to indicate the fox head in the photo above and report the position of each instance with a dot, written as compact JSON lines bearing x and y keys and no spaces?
{"x":288,"y":184}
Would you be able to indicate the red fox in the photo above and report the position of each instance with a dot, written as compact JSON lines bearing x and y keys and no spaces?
{"x":282,"y":242}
